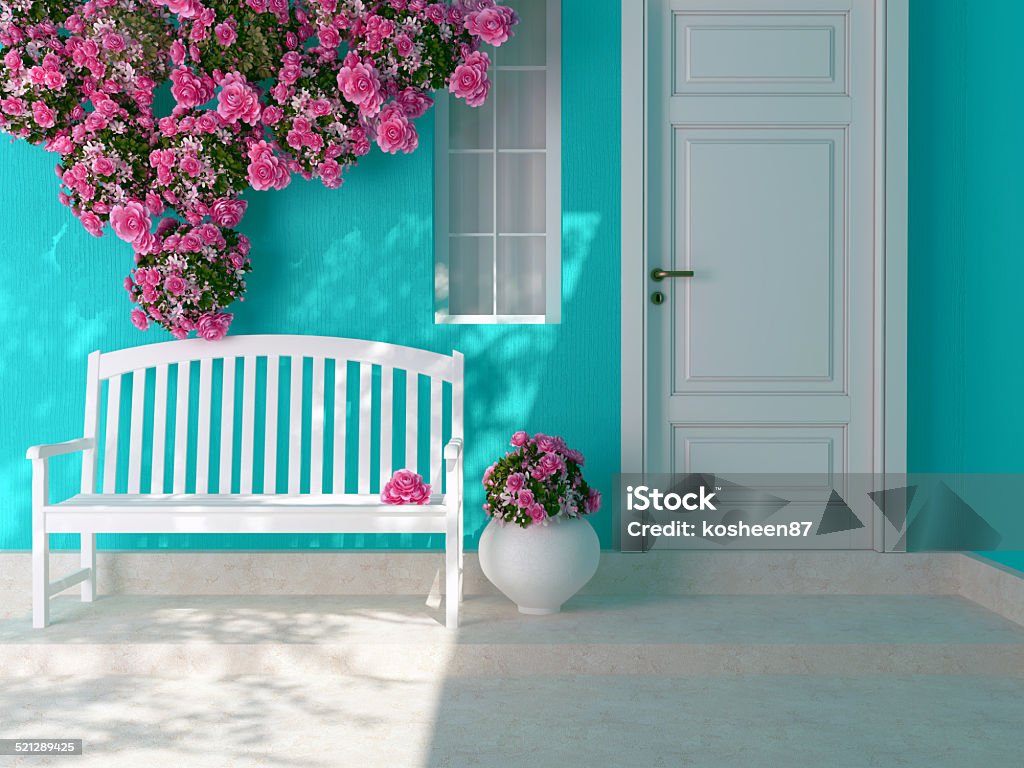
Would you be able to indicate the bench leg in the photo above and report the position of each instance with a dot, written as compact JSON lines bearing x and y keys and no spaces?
{"x":451,"y":586}
{"x":40,"y":578}
{"x":89,"y":561}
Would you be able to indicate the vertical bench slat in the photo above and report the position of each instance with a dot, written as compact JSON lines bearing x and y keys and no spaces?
{"x":270,"y":436}
{"x":113,"y":414}
{"x":316,"y":440}
{"x":203,"y":426}
{"x":181,"y":427}
{"x":248,"y":424}
{"x":436,"y":411}
{"x":135,"y":434}
{"x":227,"y":425}
{"x":295,"y":425}
{"x":387,"y":418}
{"x":340,"y":425}
{"x":90,"y":458}
{"x":412,"y":420}
{"x":156,"y":483}
{"x":365,"y":430}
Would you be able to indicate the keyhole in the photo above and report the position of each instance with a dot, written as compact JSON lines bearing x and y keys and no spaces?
{"x":657,"y":297}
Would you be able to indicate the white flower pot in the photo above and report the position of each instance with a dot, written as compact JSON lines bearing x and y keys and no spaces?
{"x":541,"y":566}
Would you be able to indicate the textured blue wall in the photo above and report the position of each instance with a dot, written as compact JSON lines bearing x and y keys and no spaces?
{"x":966,"y":267}
{"x":353,"y":262}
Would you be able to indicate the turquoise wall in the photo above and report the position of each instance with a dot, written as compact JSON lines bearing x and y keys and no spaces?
{"x":357,"y":262}
{"x":353,"y":262}
{"x":966,"y":412}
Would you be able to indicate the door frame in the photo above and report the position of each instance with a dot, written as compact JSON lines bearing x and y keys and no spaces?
{"x":892,"y":27}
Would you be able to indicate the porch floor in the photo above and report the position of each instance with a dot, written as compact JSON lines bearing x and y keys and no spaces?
{"x":646,"y":681}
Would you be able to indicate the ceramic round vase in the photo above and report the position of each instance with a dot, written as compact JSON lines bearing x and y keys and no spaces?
{"x":541,"y":566}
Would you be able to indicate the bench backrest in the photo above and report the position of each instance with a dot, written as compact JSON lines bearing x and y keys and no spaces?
{"x":268,"y":414}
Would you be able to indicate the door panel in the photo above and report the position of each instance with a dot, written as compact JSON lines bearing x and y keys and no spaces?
{"x":765,"y":250}
{"x":771,"y":53}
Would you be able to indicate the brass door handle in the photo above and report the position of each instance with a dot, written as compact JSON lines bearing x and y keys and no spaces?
{"x":657,"y":275}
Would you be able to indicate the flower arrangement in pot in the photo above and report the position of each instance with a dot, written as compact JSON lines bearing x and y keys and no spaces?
{"x":538,"y":548}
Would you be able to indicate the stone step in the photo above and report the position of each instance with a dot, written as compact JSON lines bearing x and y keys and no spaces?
{"x":401,"y":637}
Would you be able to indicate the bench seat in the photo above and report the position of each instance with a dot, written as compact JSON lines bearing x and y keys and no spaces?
{"x":211,"y":513}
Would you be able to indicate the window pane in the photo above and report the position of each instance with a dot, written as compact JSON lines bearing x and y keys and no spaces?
{"x":521,"y":192}
{"x":529,"y":43}
{"x":470,"y":127}
{"x":471,"y":276}
{"x":522,"y":109}
{"x":521,"y":275}
{"x":471,"y":193}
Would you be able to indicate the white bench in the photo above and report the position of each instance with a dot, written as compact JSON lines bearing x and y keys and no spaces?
{"x":158,"y":491}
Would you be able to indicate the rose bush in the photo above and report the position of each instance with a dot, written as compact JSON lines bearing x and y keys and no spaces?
{"x":262,"y":89}
{"x":539,"y":479}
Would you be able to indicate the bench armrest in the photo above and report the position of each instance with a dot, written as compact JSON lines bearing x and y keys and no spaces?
{"x":59,"y":449}
{"x":453,"y":449}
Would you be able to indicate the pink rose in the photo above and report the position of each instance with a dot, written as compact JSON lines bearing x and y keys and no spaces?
{"x":487,"y":474}
{"x":129,"y":221}
{"x":190,"y":164}
{"x":174,"y":285}
{"x":404,"y":46}
{"x":395,"y":133}
{"x":548,"y":465}
{"x":520,"y":438}
{"x":177,"y":53}
{"x":102,"y":166}
{"x":360,"y":84}
{"x":414,"y":103}
{"x":43,"y":115}
{"x":469,"y":81}
{"x":214,"y":326}
{"x":492,"y":25}
{"x":12,"y":60}
{"x":525,"y":498}
{"x":237,"y":101}
{"x":114,"y":42}
{"x":190,"y":90}
{"x":546,"y":443}
{"x":538,"y":514}
{"x":13,"y":107}
{"x":329,"y":172}
{"x":405,"y":487}
{"x":139,"y":319}
{"x":272,"y":115}
{"x":593,"y":500}
{"x":92,"y":223}
{"x":225,"y":33}
{"x":186,"y":9}
{"x":228,"y":213}
{"x":515,"y":482}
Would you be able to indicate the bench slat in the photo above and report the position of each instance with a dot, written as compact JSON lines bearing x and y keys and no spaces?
{"x":156,"y":482}
{"x":270,"y":438}
{"x":365,"y":431}
{"x":316,"y":440}
{"x":436,"y":443}
{"x":227,"y":425}
{"x":340,"y":423}
{"x":113,"y":415}
{"x":387,"y":418}
{"x":295,"y":426}
{"x":412,"y":420}
{"x":203,"y":426}
{"x":135,"y":435}
{"x":181,"y":426}
{"x":248,"y":424}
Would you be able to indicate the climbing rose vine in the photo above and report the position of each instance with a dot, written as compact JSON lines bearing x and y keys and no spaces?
{"x":261,"y":90}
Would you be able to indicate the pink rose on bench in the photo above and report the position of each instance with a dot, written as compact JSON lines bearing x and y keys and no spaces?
{"x":405,"y":487}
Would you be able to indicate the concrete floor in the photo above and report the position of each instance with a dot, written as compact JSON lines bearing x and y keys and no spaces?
{"x":710,"y":681}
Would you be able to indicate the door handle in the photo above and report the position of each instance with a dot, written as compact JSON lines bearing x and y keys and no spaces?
{"x":657,"y":275}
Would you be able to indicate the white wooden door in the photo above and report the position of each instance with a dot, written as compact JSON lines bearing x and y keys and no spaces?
{"x":760,"y":169}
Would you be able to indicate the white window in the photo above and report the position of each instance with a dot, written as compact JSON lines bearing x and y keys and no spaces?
{"x":498,"y":199}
